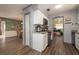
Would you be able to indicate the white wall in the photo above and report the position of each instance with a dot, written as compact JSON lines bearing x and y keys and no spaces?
{"x":10,"y":33}
{"x":67,"y":15}
{"x":67,"y":28}
{"x":7,"y":33}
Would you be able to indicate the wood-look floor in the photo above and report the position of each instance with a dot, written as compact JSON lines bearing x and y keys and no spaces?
{"x":58,"y":47}
{"x":13,"y":46}
{"x":10,"y":46}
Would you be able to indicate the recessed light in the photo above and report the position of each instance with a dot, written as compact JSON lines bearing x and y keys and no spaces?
{"x":58,"y":6}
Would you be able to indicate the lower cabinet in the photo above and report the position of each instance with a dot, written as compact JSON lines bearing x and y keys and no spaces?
{"x":40,"y":41}
{"x":77,"y":41}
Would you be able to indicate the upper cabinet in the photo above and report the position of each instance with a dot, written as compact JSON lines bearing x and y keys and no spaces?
{"x":78,"y":15}
{"x":78,"y":18}
{"x":38,"y":17}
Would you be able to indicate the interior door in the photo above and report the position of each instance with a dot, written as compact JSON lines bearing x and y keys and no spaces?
{"x":67,"y":32}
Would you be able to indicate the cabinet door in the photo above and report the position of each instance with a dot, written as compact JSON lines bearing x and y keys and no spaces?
{"x":77,"y":41}
{"x":45,"y":41}
{"x":38,"y":17}
{"x":37,"y":42}
{"x":67,"y":33}
{"x":77,"y":44}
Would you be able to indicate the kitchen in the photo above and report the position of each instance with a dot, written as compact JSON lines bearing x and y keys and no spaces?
{"x":40,"y":35}
{"x":38,"y":29}
{"x":40,"y":26}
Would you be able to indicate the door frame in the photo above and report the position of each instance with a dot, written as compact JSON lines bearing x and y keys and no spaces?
{"x":24,"y":28}
{"x":63,"y":24}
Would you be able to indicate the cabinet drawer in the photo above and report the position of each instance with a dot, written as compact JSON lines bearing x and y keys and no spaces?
{"x":77,"y":46}
{"x":45,"y":40}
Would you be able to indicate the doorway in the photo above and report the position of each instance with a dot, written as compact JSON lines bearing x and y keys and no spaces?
{"x":58,"y":26}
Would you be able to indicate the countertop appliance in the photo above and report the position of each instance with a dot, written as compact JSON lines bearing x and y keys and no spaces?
{"x":37,"y":28}
{"x":41,"y":27}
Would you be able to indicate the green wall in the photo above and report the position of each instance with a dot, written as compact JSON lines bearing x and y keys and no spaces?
{"x":11,"y":23}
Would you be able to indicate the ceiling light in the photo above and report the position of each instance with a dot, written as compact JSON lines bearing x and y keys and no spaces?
{"x":58,"y":6}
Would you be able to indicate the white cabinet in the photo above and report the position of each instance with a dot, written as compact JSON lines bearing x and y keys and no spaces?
{"x":77,"y":41}
{"x":45,"y":40}
{"x":78,"y":18}
{"x":40,"y":41}
{"x":38,"y":17}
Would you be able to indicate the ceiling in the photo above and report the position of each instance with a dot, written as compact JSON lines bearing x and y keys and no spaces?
{"x":53,"y":10}
{"x":13,"y":11}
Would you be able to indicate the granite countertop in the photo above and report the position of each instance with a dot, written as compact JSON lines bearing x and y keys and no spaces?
{"x":40,"y":32}
{"x":74,"y":30}
{"x":77,"y":32}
